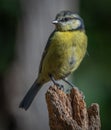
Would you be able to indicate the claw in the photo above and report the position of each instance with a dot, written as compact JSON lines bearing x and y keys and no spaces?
{"x":60,"y":86}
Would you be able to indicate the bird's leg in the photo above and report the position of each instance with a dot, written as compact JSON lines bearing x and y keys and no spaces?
{"x":55,"y":82}
{"x":73,"y":86}
{"x":69,"y":83}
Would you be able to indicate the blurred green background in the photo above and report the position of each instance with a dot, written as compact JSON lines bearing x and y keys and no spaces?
{"x":94,"y":75}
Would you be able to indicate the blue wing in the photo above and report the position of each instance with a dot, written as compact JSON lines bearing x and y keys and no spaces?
{"x":45,"y":51}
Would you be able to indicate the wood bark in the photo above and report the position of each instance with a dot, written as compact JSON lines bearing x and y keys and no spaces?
{"x":69,"y":111}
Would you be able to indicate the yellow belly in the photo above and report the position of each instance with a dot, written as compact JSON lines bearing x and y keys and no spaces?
{"x":65,"y":53}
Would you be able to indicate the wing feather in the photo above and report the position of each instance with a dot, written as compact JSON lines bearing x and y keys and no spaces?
{"x":45,"y":51}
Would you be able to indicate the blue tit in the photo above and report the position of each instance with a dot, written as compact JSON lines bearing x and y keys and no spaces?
{"x":64,"y":51}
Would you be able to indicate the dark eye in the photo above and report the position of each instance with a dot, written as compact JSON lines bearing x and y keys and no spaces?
{"x":65,"y":19}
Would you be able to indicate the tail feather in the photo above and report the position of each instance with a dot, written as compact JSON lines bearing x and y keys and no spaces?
{"x":29,"y":97}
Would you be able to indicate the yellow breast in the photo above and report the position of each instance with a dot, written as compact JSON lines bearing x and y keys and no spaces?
{"x":65,"y":53}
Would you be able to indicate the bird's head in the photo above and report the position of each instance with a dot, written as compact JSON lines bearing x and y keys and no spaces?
{"x":68,"y":21}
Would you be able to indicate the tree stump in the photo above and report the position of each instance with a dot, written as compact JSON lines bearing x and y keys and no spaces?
{"x":69,"y":112}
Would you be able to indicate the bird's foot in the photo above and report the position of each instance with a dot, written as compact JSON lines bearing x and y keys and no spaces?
{"x":60,"y":86}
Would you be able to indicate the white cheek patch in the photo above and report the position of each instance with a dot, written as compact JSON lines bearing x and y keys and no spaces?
{"x":76,"y":24}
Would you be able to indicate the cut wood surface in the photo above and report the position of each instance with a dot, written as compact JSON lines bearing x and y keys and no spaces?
{"x":69,"y":111}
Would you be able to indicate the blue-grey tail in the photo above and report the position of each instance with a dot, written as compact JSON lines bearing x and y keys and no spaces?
{"x":29,"y":97}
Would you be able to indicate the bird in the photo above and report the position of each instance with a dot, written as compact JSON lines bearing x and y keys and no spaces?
{"x":63,"y":53}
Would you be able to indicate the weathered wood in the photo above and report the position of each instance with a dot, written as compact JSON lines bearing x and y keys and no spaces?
{"x":69,"y":112}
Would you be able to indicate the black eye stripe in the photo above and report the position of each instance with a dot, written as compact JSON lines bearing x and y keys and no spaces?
{"x":65,"y":19}
{"x":68,"y":18}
